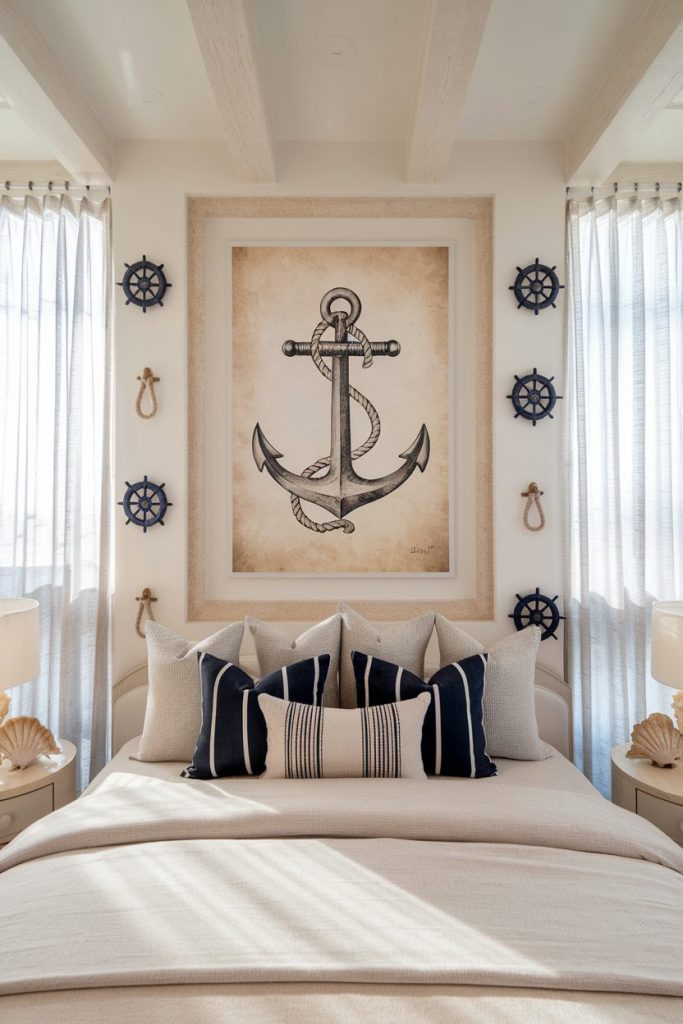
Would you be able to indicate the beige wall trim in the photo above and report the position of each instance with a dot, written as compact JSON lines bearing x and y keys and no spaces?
{"x":201,"y":606}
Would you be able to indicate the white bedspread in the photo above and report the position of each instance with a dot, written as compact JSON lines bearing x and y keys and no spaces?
{"x":342,"y":886}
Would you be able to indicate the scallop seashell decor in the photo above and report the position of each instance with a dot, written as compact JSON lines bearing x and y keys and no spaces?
{"x":656,"y":738}
{"x":23,"y":739}
{"x":5,"y":702}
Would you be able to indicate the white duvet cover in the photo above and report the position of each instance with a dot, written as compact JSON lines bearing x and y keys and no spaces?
{"x":305,"y":900}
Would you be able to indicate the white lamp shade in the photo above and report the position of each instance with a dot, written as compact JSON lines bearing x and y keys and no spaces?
{"x":667,"y":643}
{"x":19,"y":640}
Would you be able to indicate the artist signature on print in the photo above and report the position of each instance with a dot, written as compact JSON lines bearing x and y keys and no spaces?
{"x":416,"y":550}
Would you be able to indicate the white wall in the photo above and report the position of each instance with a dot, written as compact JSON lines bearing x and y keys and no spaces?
{"x":152,"y":181}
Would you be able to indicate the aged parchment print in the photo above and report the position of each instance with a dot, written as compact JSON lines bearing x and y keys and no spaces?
{"x":276,"y":296}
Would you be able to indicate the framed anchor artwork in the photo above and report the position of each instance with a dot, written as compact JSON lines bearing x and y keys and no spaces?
{"x":339,"y":413}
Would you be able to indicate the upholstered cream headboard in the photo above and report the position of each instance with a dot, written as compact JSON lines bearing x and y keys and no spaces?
{"x":553,"y":706}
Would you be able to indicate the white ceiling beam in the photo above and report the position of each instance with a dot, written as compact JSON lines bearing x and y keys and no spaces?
{"x":42,"y":92}
{"x":453,"y":39}
{"x":224,"y":38}
{"x":646,"y":76}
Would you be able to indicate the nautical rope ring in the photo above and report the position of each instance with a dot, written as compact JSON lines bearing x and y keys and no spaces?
{"x":331,"y":317}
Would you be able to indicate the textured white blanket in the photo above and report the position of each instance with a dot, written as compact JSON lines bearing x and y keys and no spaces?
{"x":340,"y":881}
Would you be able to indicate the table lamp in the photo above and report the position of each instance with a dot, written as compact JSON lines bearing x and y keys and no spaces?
{"x":657,"y":738}
{"x":19,"y":642}
{"x":22,"y":739}
{"x":667,"y":649}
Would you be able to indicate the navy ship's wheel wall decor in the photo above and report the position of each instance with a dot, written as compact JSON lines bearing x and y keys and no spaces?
{"x":145,"y":503}
{"x":534,"y":396}
{"x":144,"y":283}
{"x":537,"y":610}
{"x":536,"y":287}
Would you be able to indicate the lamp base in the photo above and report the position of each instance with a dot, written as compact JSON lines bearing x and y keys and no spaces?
{"x":5,"y":701}
{"x":677,"y":707}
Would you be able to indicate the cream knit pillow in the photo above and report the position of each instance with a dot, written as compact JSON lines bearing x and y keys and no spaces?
{"x":509,"y":707}
{"x":274,"y":650}
{"x":308,"y":742}
{"x":173,"y":715}
{"x":402,"y":643}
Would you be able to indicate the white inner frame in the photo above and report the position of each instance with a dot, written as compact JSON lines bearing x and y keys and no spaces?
{"x":457,"y":234}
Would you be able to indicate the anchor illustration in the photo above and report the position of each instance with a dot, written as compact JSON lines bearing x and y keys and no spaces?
{"x":340,"y":490}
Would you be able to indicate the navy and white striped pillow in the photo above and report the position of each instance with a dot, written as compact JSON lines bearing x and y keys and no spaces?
{"x":352,"y":743}
{"x":453,"y":740}
{"x":233,"y":736}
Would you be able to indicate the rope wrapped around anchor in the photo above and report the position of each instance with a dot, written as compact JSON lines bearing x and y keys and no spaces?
{"x":342,"y":327}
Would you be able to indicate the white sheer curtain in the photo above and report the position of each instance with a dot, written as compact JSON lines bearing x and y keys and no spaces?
{"x":623,"y":460}
{"x":55,"y":455}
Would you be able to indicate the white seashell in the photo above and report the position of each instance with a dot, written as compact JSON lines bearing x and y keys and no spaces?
{"x":656,"y":738}
{"x":5,"y":701}
{"x":23,"y":739}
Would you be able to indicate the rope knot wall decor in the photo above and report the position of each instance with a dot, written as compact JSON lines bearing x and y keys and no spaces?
{"x":147,"y":382}
{"x":144,"y":600}
{"x":533,"y":496}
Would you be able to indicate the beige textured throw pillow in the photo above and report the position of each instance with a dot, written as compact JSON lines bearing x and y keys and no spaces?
{"x":173,"y":715}
{"x":273,"y":650}
{"x":309,"y":742}
{"x":402,"y":643}
{"x":509,"y":707}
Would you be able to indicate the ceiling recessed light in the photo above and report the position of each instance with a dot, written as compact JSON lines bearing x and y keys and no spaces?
{"x":532,"y":95}
{"x":337,"y":51}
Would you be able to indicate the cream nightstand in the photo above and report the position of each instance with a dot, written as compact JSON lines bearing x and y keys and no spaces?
{"x":33,"y":792}
{"x":654,"y":793}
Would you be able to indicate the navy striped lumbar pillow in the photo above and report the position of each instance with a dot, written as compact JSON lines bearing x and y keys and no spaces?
{"x":233,"y":736}
{"x":453,"y":740}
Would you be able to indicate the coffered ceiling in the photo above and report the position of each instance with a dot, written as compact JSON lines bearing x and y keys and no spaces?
{"x":603,"y":76}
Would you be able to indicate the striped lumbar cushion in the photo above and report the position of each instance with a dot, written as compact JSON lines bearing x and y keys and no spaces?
{"x":232,"y":738}
{"x":453,"y":739}
{"x":307,"y":742}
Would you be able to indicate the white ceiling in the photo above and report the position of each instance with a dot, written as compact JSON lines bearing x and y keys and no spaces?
{"x":539,"y":63}
{"x":137,"y":63}
{"x":338,"y":70}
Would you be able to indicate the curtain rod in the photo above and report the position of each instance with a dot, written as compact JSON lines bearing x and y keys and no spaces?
{"x":630,"y":186}
{"x":53,"y":186}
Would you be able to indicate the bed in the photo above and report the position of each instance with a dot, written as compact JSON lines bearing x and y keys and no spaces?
{"x":521,"y":897}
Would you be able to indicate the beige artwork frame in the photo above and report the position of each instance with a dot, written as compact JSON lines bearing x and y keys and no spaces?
{"x":477,"y":604}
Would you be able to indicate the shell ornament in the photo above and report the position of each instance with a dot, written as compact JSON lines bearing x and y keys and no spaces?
{"x":24,"y":739}
{"x":658,"y":739}
{"x":4,"y":706}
